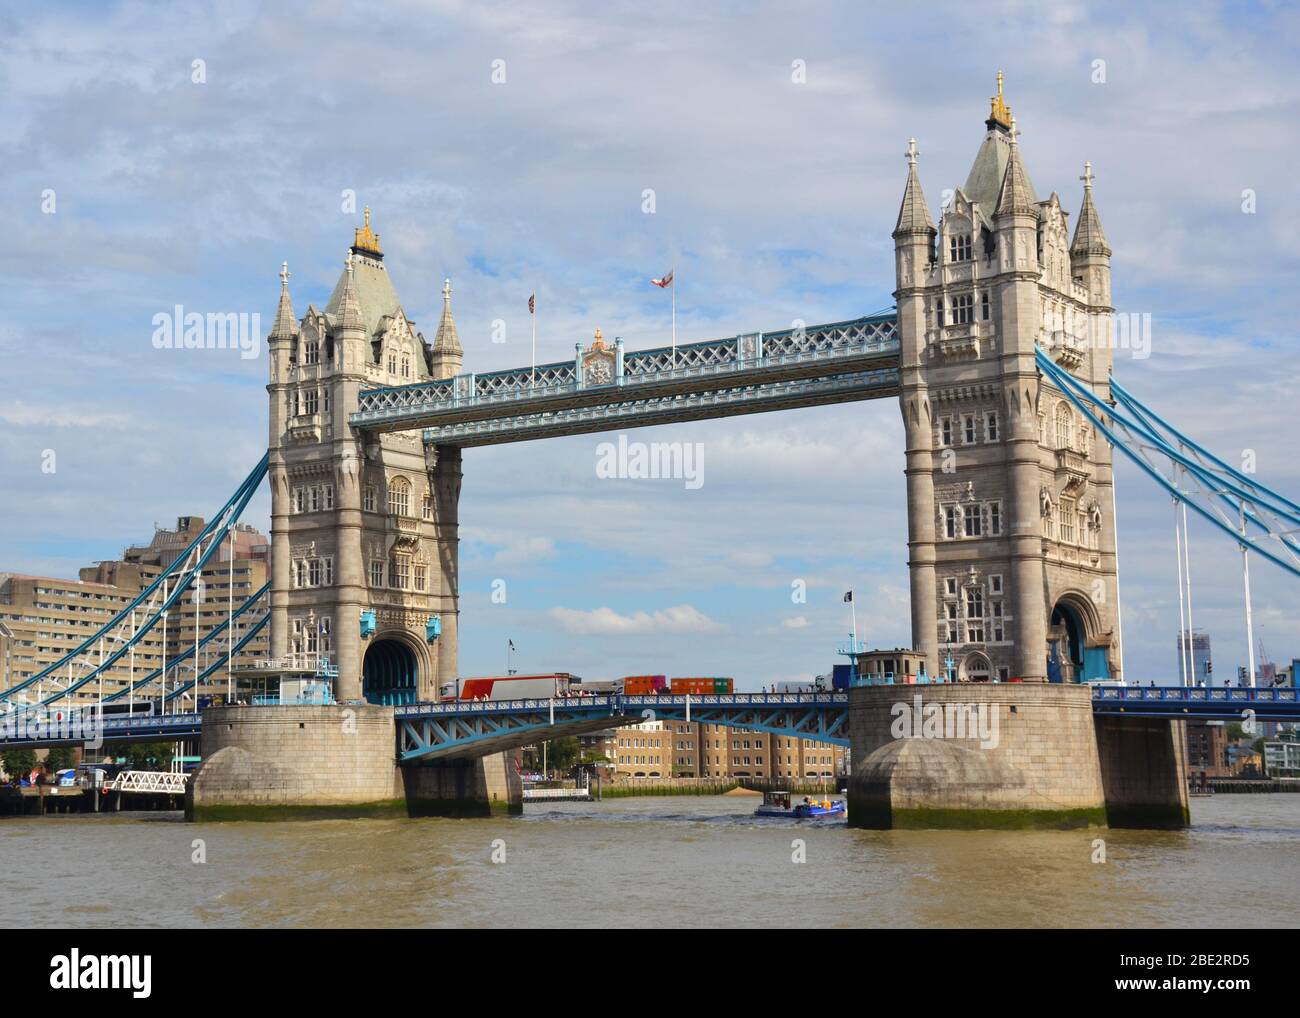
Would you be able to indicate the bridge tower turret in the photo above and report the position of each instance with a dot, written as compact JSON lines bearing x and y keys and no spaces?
{"x":1011,"y":529}
{"x":914,"y":236}
{"x":364,"y":550}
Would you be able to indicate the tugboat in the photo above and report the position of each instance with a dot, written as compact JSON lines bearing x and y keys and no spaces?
{"x":779,"y":804}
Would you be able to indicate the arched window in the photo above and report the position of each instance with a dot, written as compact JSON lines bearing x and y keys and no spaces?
{"x":1064,"y":425}
{"x":399,"y":497}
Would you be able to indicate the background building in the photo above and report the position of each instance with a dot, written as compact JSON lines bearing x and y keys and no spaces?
{"x":660,"y":749}
{"x":42,"y":618}
{"x":1194,"y":649}
{"x":1207,"y":748}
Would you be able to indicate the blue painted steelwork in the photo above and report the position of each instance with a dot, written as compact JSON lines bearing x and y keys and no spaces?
{"x":233,"y":509}
{"x":525,"y":424}
{"x":469,"y":728}
{"x":432,"y":628}
{"x":367,"y":623}
{"x":695,"y":380}
{"x":389,"y":674}
{"x":212,"y":669}
{"x":17,"y":731}
{"x":1274,"y":704}
{"x":820,"y":716}
{"x":475,"y":728}
{"x":185,"y":655}
{"x":1216,"y":492}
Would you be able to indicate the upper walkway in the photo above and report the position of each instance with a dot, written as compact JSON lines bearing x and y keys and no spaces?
{"x":609,"y":387}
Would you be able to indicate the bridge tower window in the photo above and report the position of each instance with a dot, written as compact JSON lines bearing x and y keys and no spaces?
{"x":959,"y":247}
{"x":963,"y":309}
{"x":399,"y":497}
{"x":1064,"y":425}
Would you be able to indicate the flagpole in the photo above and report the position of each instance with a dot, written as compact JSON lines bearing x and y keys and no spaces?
{"x":674,"y":289}
{"x":532,"y":378}
{"x":853,"y":609}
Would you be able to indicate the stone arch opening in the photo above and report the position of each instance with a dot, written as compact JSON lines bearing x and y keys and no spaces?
{"x":390,"y":674}
{"x":1069,"y":656}
{"x":976,"y":668}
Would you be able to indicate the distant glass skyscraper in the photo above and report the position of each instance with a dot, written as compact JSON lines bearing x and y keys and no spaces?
{"x":1197,"y":642}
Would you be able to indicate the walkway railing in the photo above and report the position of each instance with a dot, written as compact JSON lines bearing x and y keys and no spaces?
{"x":692,"y":367}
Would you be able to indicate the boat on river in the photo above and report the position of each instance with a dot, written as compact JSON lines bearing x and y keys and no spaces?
{"x":782,"y":804}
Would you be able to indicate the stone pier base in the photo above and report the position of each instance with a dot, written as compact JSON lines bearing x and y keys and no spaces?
{"x":1144,"y":772}
{"x":1025,"y":756}
{"x":477,"y":787}
{"x":310,"y":762}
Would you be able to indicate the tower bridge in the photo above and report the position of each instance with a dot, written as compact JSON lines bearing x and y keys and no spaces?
{"x":999,"y":354}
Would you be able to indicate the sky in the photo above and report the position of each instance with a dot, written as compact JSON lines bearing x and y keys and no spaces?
{"x":157,"y":154}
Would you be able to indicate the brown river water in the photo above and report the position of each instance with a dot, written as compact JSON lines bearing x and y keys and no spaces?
{"x":663,"y":862}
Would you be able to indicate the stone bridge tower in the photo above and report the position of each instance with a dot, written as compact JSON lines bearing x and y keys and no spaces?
{"x":363,"y":527}
{"x":1010,"y":493}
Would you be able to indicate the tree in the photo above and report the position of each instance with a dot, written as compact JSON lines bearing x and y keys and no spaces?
{"x":18,"y":762}
{"x":59,"y":758}
{"x":148,"y":756}
{"x":561,"y":754}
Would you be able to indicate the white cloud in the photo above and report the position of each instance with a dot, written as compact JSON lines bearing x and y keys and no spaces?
{"x":797,"y":622}
{"x":682,"y":618}
{"x":71,"y":415}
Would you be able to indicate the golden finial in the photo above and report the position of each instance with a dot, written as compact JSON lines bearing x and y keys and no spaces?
{"x":598,"y":343}
{"x":998,"y":109}
{"x":366,"y":239}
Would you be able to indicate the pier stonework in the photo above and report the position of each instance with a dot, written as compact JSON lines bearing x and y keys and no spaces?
{"x":1041,"y":770}
{"x":1144,"y":771}
{"x":274,"y":763}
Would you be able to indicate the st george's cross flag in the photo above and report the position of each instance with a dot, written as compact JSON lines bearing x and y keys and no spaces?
{"x":666,"y":281}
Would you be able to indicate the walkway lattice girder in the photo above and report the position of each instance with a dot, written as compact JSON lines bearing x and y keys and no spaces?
{"x":470,"y":729}
{"x":739,"y":374}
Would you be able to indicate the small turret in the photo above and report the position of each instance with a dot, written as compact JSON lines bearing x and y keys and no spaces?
{"x":1088,"y":236}
{"x":350,"y":326}
{"x":447,"y":356}
{"x":1090,"y":262}
{"x":913,"y":214}
{"x":1016,"y":196}
{"x":286,"y":325}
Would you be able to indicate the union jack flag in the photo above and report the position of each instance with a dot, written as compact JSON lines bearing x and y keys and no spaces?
{"x":532,"y":304}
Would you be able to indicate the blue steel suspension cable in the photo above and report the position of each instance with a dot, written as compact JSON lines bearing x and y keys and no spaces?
{"x":1068,"y":389}
{"x":253,"y":480}
{"x":234,"y":507}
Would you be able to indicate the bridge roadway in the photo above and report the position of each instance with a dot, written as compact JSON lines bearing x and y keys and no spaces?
{"x":478,"y":728}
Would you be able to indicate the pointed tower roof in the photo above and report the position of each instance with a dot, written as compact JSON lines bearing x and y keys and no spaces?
{"x":347,"y":312}
{"x":1088,"y":236}
{"x":372,"y":287}
{"x":447,"y":340}
{"x":1016,"y":194}
{"x":984,"y":183}
{"x":913,"y":214}
{"x":286,"y":325}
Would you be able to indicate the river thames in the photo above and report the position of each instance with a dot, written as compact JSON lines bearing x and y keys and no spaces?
{"x":660,"y":861}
